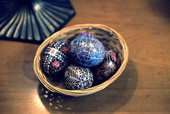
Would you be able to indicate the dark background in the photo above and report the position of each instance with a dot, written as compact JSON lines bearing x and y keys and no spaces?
{"x":143,"y":87}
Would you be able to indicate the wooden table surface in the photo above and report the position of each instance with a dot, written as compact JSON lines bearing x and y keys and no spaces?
{"x":143,"y":87}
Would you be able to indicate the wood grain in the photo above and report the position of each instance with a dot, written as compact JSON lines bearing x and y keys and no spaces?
{"x":144,"y":86}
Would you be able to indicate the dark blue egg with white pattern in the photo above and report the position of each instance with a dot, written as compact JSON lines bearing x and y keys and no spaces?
{"x":77,"y":78}
{"x":54,"y":58}
{"x":86,"y":50}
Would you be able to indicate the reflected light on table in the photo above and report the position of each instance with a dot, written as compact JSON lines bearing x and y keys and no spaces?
{"x":38,"y":103}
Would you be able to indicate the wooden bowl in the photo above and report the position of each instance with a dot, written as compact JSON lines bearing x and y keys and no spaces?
{"x":110,"y":39}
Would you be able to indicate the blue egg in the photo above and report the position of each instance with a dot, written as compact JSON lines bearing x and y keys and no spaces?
{"x":86,"y":50}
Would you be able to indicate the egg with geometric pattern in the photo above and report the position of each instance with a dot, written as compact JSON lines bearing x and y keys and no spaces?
{"x":54,"y":58}
{"x":108,"y":67}
{"x":78,"y":78}
{"x":86,"y":50}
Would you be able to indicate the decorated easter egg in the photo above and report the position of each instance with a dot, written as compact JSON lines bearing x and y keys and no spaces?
{"x":108,"y":67}
{"x":113,"y":56}
{"x":54,"y":57}
{"x":86,"y":50}
{"x":77,"y":78}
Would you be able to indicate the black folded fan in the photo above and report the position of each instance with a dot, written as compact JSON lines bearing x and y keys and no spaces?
{"x":33,"y":20}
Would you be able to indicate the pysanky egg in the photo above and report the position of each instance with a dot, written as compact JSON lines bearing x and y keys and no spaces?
{"x":77,"y":78}
{"x":86,"y":50}
{"x":54,"y":57}
{"x":113,"y":56}
{"x":108,"y":66}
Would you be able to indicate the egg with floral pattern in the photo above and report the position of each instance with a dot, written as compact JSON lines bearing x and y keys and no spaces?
{"x":108,"y":67}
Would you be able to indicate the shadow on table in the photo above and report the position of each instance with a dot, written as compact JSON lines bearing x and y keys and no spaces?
{"x":161,"y":7}
{"x":28,"y":70}
{"x":28,"y":63}
{"x":107,"y":100}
